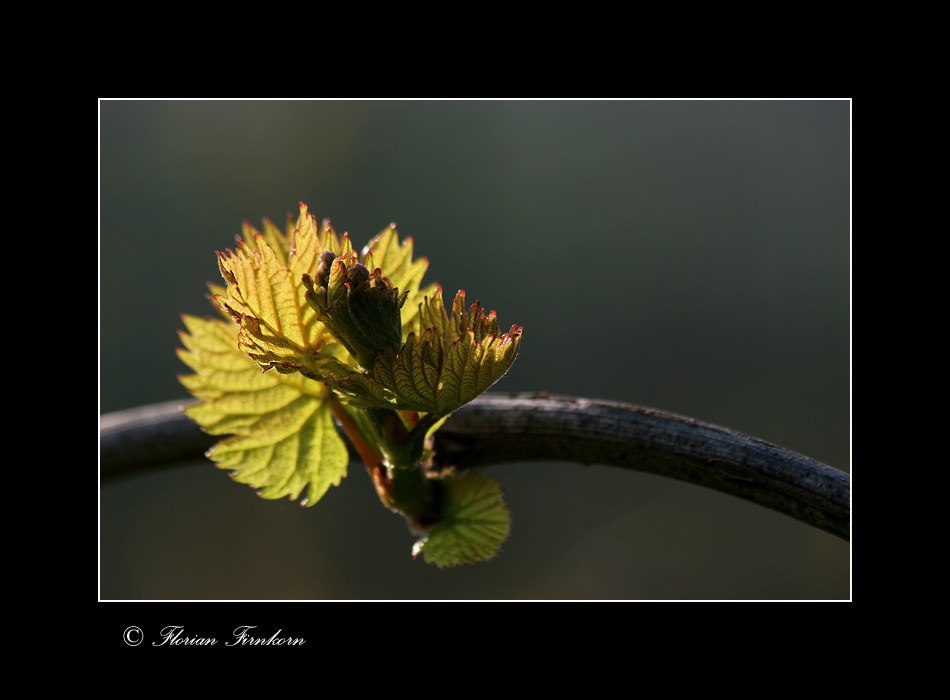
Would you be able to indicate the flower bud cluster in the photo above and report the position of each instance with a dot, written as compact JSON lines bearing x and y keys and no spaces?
{"x":361,"y":309}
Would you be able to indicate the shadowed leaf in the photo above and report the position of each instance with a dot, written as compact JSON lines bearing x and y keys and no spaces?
{"x":474,"y":521}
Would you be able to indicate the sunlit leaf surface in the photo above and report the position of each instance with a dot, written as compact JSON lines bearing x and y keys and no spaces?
{"x":284,"y":436}
{"x":448,"y":364}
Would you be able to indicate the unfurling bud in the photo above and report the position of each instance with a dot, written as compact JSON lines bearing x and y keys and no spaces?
{"x":323,"y":269}
{"x":361,"y":310}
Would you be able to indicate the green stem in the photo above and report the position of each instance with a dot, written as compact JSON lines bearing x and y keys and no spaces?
{"x":410,"y":491}
{"x":416,"y":496}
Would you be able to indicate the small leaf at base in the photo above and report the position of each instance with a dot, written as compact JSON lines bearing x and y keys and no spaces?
{"x":474,"y":521}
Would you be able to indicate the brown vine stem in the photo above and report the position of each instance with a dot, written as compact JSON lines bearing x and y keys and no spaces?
{"x":504,"y":428}
{"x":371,"y":458}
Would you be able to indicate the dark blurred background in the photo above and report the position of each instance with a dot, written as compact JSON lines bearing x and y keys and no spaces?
{"x":692,"y":256}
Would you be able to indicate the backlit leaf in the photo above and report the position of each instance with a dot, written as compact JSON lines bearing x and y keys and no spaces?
{"x":403,"y":381}
{"x":265,"y":286}
{"x":395,"y":261}
{"x":284,"y":435}
{"x":472,"y":367}
{"x":432,"y":314}
{"x":433,"y":374}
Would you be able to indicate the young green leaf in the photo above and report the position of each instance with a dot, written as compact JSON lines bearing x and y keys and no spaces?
{"x":285,"y":438}
{"x":403,"y":381}
{"x":395,"y":261}
{"x":280,"y":242}
{"x":474,"y":521}
{"x":449,"y":364}
{"x":265,"y":294}
{"x":478,"y":358}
